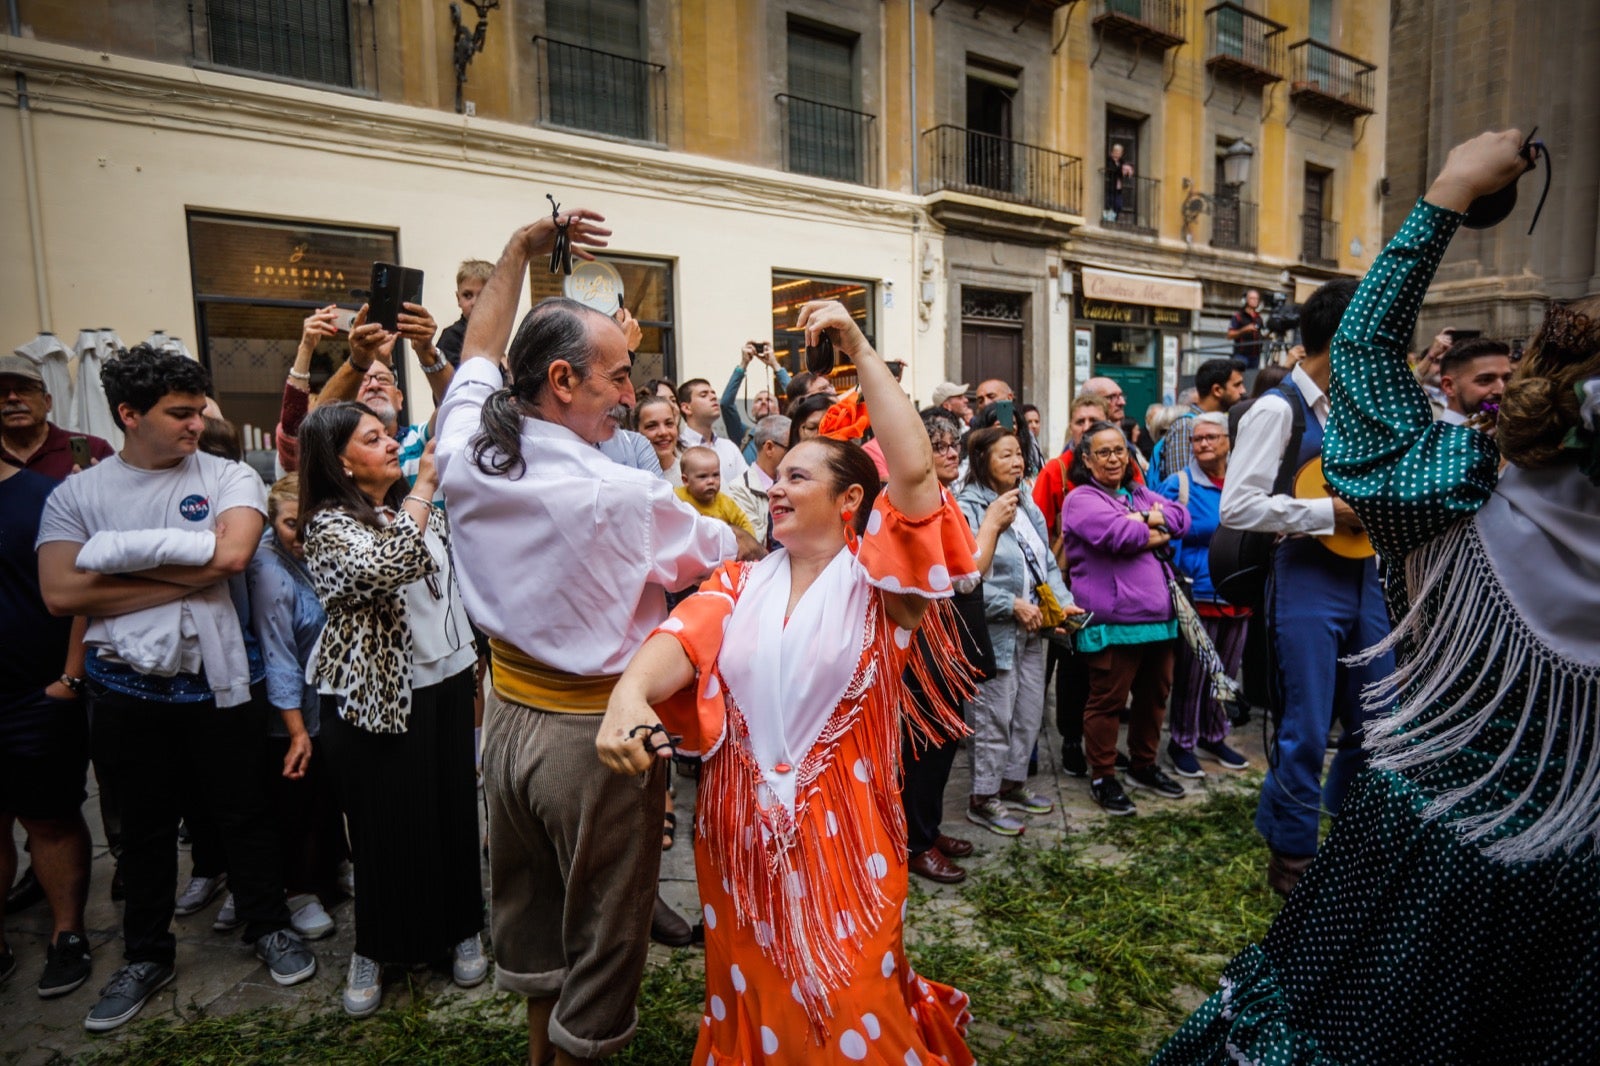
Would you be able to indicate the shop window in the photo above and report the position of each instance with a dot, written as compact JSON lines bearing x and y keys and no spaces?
{"x":647,"y":294}
{"x":790,"y":292}
{"x":255,"y":281}
{"x":305,"y":40}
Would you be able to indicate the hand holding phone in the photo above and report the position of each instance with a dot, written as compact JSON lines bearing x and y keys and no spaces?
{"x":392,"y":288}
{"x":81,"y":458}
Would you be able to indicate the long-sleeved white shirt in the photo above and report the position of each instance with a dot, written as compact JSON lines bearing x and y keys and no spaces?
{"x":1247,"y":499}
{"x":570,"y":561}
{"x":733,"y":463}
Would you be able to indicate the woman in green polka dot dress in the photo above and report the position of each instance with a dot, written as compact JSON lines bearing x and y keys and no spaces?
{"x":1454,"y":914}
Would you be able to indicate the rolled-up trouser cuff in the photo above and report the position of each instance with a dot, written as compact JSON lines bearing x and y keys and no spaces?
{"x":545,"y":985}
{"x":592,"y":1049}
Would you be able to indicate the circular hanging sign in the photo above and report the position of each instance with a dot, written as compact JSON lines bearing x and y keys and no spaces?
{"x":595,"y":284}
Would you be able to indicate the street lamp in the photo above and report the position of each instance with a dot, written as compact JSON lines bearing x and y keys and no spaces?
{"x":1235,"y":173}
{"x":1236,"y":163}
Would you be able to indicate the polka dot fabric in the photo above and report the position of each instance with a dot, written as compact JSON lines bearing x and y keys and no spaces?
{"x":1405,"y":942}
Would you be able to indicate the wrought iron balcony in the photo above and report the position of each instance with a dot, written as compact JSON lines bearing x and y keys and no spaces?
{"x":1319,"y":240}
{"x":1134,"y":206}
{"x":1233,"y":224}
{"x":299,"y":40}
{"x":1244,"y":45}
{"x":969,"y":161}
{"x":597,"y":92}
{"x":826,"y":141}
{"x":1329,"y":79}
{"x":1157,"y":22}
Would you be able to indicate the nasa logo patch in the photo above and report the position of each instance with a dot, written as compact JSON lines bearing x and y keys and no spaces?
{"x":194,"y":508}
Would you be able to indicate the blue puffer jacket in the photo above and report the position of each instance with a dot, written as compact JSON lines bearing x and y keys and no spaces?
{"x":1205,"y":514}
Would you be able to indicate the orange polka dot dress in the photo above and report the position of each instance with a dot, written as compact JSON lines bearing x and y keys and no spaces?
{"x":801,"y":854}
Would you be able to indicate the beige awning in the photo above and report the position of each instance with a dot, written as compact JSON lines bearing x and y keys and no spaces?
{"x":1148,"y":289}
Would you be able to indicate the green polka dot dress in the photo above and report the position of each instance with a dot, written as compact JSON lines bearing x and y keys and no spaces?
{"x":1453,"y":916}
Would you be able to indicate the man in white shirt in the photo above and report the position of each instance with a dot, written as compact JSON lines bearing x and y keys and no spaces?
{"x":565,"y":560}
{"x":178,"y":709}
{"x":1320,"y":607}
{"x":1473,"y":373}
{"x":771,"y":438}
{"x":697,"y":399}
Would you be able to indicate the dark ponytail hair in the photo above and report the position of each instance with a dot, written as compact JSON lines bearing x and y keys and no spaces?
{"x":324,"y":486}
{"x":554,"y":331}
{"x":849,"y":465}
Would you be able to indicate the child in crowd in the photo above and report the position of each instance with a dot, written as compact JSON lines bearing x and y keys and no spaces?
{"x":470,"y":279}
{"x":702,"y":488}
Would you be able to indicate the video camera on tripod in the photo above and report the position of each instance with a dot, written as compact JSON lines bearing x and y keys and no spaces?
{"x":1282,"y":317}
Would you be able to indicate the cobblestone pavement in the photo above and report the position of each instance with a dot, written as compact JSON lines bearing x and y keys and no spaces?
{"x":219,"y":975}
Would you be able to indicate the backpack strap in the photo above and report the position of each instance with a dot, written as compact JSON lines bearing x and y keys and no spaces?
{"x":1183,"y":487}
{"x":1283,"y":485}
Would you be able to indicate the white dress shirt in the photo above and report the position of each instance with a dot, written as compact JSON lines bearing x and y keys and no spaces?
{"x":733,"y":463}
{"x":570,"y":561}
{"x":1451,"y":417}
{"x":1247,"y":499}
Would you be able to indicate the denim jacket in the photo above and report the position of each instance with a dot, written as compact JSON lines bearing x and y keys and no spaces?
{"x":1009,"y":576}
{"x":287,"y":619}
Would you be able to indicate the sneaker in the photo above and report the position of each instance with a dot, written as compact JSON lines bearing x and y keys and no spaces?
{"x":1020,"y":799}
{"x":287,"y":957}
{"x":309,"y":918}
{"x":200,"y":891}
{"x":993,"y":817}
{"x":1073,"y":763}
{"x":1107,"y":792}
{"x":1152,"y":778}
{"x":66,"y":965}
{"x":126,"y":994}
{"x":469,"y":967}
{"x":363,"y":990}
{"x":1230,"y":759}
{"x":1183,"y":761}
{"x":227,"y":916}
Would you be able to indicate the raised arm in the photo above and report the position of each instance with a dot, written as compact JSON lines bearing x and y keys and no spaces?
{"x":913,"y":488}
{"x":1408,"y":476}
{"x":489,"y":328}
{"x":732,"y":422}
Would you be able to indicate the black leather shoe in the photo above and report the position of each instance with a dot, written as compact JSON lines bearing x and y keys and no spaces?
{"x":668,"y":927}
{"x":935,"y":867}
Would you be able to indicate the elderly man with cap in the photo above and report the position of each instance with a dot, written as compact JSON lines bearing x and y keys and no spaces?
{"x":28,"y":439}
{"x":953,"y":398}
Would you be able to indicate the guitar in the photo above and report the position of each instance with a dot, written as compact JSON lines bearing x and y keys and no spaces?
{"x":1310,"y":484}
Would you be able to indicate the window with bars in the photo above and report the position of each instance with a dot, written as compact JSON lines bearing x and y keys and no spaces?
{"x":306,"y":40}
{"x":593,"y":71}
{"x":824,"y":134}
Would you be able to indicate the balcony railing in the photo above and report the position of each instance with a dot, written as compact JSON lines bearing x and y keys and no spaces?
{"x":1328,"y":78}
{"x":826,"y":141}
{"x":1233,"y":224}
{"x":1244,"y":45}
{"x":969,"y":161}
{"x":1319,"y":240}
{"x":1157,"y":22}
{"x":301,"y":40}
{"x":1133,"y":207}
{"x":597,"y":92}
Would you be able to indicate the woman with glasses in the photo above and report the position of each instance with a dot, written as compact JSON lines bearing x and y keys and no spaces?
{"x":1008,"y":709}
{"x":1198,"y":721}
{"x":394,"y":670}
{"x":1112,"y":527}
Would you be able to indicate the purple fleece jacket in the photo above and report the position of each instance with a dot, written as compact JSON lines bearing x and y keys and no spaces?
{"x":1114,"y":574}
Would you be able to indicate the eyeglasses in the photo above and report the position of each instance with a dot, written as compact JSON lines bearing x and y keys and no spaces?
{"x":1214,"y":438}
{"x":21,"y":387}
{"x":1107,"y":454}
{"x":946,"y":448}
{"x":381,"y":379}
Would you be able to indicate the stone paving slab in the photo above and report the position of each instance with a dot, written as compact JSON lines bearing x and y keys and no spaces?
{"x":219,"y":975}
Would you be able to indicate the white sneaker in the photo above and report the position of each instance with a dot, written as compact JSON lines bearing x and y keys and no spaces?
{"x":363,"y":992}
{"x":227,"y":916}
{"x":469,"y":967}
{"x":308,"y":917}
{"x":199,"y":892}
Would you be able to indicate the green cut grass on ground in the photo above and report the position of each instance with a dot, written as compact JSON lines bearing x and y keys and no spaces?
{"x":1091,"y":952}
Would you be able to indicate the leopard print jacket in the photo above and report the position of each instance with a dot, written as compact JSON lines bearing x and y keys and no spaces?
{"x":360,"y":573}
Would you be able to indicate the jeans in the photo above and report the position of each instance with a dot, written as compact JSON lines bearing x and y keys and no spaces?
{"x":159,"y":754}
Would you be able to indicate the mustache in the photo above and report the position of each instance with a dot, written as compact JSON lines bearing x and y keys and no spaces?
{"x":620,"y":413}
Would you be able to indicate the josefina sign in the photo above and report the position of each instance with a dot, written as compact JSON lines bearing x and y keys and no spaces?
{"x":1145,"y":289}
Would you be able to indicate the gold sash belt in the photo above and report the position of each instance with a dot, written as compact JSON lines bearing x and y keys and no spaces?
{"x":520,"y":679}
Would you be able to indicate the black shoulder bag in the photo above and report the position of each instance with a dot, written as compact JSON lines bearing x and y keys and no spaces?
{"x":1240,"y":560}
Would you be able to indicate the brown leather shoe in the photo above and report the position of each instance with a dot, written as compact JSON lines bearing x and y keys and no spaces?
{"x":935,"y":867}
{"x":953,"y":847}
{"x":668,"y":927}
{"x":1285,"y":871}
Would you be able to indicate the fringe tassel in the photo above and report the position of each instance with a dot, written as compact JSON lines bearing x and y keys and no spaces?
{"x":1461,"y":628}
{"x":781,"y":870}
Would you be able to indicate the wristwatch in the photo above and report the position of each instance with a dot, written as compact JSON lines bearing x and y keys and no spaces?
{"x":74,"y":683}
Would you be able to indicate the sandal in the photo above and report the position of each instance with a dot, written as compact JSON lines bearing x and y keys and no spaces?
{"x":669,"y":830}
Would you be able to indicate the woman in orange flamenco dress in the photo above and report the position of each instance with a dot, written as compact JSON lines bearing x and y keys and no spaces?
{"x":785,"y":677}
